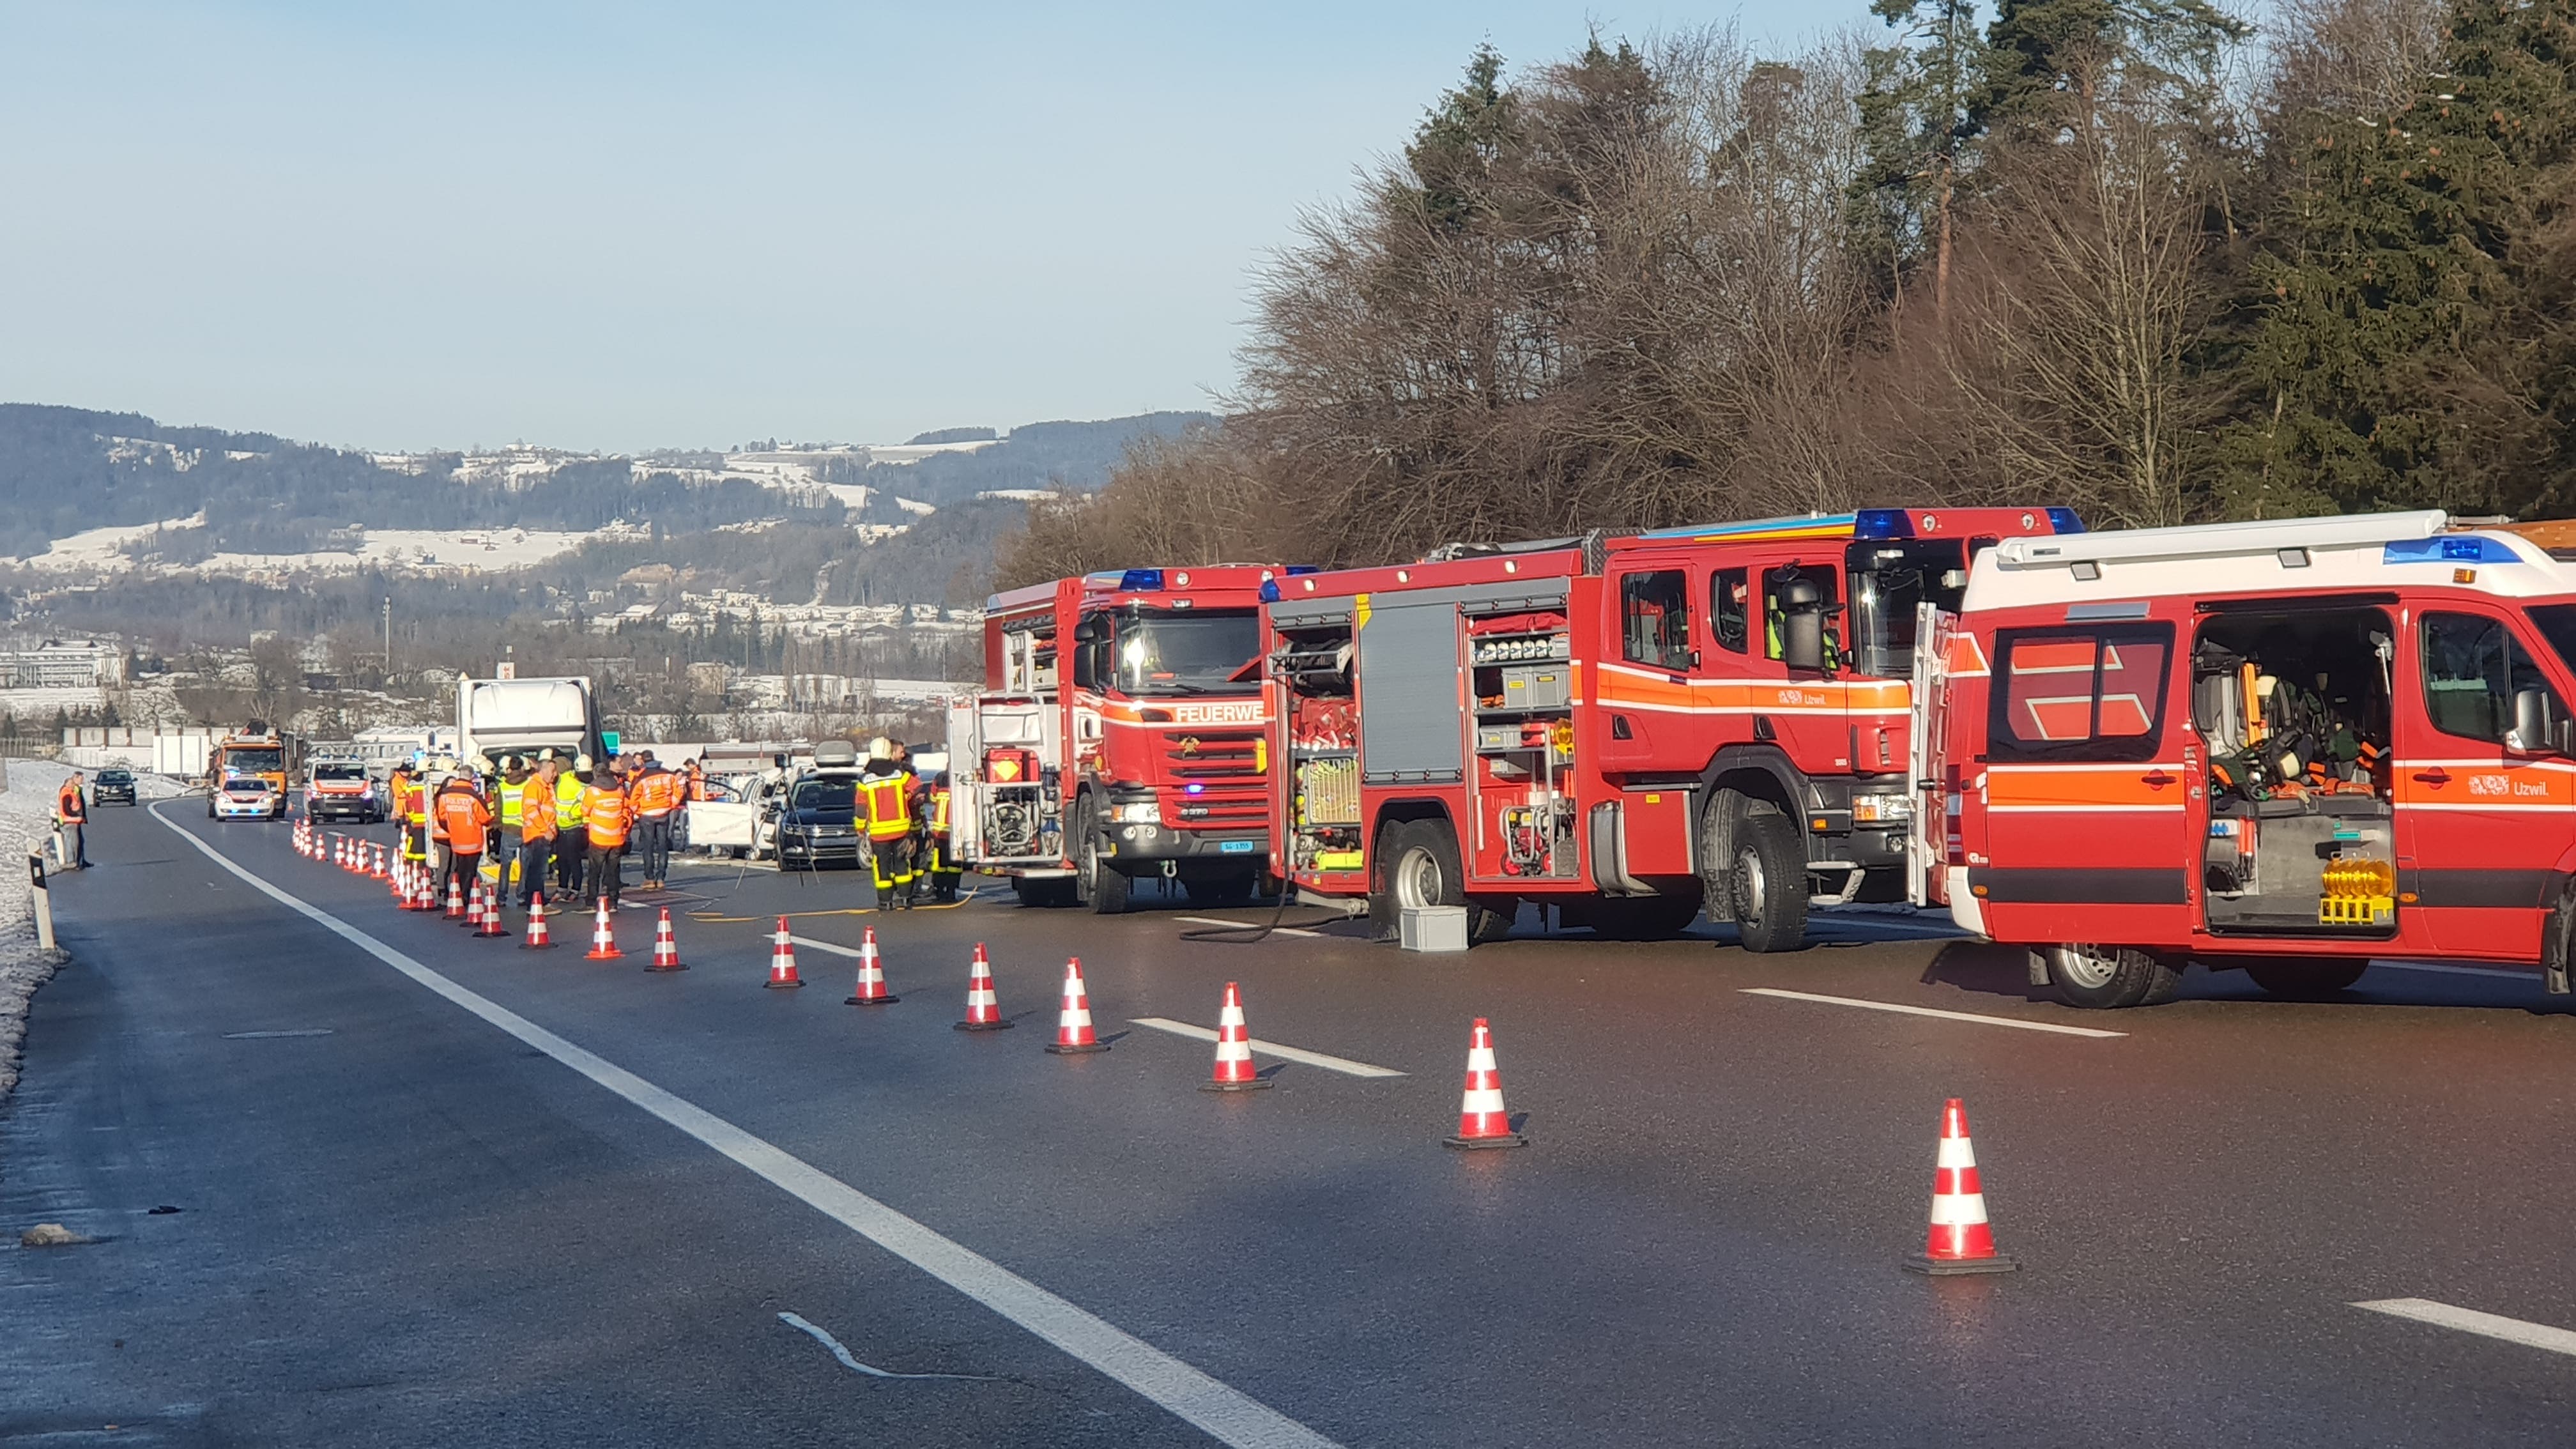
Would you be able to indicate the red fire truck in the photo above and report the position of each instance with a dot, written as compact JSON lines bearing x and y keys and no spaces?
{"x":1628,"y":729}
{"x":2284,"y":747}
{"x":1119,"y":736}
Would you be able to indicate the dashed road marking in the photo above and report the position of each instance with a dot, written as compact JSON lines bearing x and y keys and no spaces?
{"x":1247,"y":926}
{"x":2470,"y":1320}
{"x":1225,"y":1413}
{"x":825,"y":946}
{"x":1928,"y":1011}
{"x":1343,"y":1065}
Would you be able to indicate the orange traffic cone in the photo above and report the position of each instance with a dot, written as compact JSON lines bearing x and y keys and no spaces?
{"x":603,"y":937}
{"x":1073,"y":1033}
{"x":871,"y":989}
{"x":539,"y":939}
{"x":1233,"y":1071}
{"x":492,"y":926}
{"x":379,"y":870}
{"x":424,"y":896}
{"x":1960,"y":1240}
{"x":455,"y":899}
{"x":397,"y":880}
{"x":1482,"y":1122}
{"x":983,"y":1008}
{"x":782,"y":961}
{"x":666,"y":949}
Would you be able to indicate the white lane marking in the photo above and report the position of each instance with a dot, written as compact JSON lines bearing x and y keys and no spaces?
{"x":1226,"y":1413}
{"x":1246,"y":926}
{"x":2469,"y":1320}
{"x":1928,"y":1011}
{"x":851,"y":1362}
{"x":1272,"y":1049}
{"x":824,"y":946}
{"x":2459,"y":970}
{"x":271,"y":1035}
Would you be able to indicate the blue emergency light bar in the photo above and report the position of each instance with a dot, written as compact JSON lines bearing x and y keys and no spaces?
{"x":2449,"y":549}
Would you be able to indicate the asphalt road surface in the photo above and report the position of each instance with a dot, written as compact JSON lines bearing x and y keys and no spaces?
{"x":437,"y":1190}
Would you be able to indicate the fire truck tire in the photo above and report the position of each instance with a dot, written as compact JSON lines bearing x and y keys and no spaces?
{"x":2106,"y":978}
{"x":2293,"y":979}
{"x":1100,"y":887}
{"x":1770,"y":880}
{"x":1423,"y":868}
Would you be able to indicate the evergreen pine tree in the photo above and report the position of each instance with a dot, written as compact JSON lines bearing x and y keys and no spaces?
{"x":1914,"y":123}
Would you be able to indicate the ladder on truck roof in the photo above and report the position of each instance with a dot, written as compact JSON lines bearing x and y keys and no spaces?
{"x":2212,"y":540}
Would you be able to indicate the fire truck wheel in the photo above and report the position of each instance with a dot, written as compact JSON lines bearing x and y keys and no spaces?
{"x":2105,"y":978}
{"x":2293,"y":979}
{"x":1770,"y":880}
{"x":1423,"y":869}
{"x":1101,"y":888}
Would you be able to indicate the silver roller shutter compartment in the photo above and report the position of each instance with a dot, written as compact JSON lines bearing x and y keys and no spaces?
{"x":1412,"y":726}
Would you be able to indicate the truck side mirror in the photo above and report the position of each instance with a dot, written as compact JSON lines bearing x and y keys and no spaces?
{"x":1802,"y":624}
{"x":2534,"y":730}
{"x":1090,"y":630}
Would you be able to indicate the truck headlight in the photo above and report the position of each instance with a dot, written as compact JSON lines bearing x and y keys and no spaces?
{"x":1138,"y":812}
{"x":1882,"y":809}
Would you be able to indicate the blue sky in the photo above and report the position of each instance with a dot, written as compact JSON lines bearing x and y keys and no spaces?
{"x":638,"y":225}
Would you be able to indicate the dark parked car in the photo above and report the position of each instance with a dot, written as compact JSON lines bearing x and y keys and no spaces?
{"x":112,"y":787}
{"x":818,"y":821}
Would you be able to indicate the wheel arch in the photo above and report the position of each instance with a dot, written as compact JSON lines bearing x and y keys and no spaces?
{"x":1734,"y":776}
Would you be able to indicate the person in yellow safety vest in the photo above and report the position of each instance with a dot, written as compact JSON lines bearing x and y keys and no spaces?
{"x":889,"y":794}
{"x":506,"y":804}
{"x":608,"y":815}
{"x":571,"y":850}
{"x":944,"y":873}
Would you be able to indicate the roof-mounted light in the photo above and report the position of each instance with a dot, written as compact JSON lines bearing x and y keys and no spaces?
{"x":1875,"y":523}
{"x":1140,"y":581}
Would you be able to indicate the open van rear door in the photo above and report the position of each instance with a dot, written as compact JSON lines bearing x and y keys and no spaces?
{"x":1935,"y":806}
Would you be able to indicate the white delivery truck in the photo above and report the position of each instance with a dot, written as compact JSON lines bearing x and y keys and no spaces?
{"x":496,"y":717}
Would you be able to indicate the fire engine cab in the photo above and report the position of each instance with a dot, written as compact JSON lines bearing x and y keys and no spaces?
{"x":2284,"y":747}
{"x":1119,"y":736}
{"x":1626,"y":728}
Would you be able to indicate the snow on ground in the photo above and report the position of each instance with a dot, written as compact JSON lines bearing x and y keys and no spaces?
{"x":472,"y":550}
{"x":915,"y":506}
{"x":26,"y":818}
{"x":100,"y":548}
{"x":1018,"y":495}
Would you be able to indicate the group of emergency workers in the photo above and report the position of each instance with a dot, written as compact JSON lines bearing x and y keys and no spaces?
{"x":521,"y":822}
{"x":907,"y":824}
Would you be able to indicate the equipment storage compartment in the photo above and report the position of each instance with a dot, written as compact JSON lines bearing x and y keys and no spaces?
{"x":2293,"y":703}
{"x":1537,"y":686}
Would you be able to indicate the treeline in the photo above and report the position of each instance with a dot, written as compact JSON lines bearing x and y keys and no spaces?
{"x":2119,"y":254}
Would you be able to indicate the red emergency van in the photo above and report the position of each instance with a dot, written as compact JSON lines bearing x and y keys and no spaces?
{"x":2285,"y":747}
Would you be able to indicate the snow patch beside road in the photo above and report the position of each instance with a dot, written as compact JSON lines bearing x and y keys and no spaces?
{"x":26,"y":818}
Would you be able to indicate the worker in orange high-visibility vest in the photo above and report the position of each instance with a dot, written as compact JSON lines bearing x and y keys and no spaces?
{"x":608,"y":814}
{"x":537,"y":831}
{"x":460,"y":817}
{"x":655,"y":793}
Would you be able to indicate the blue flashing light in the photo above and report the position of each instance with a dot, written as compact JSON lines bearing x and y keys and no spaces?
{"x":2449,"y":549}
{"x":1194,"y":789}
{"x":1270,"y":591}
{"x":1295,"y":569}
{"x":1875,"y":523}
{"x":1140,"y":580}
{"x":2063,"y":520}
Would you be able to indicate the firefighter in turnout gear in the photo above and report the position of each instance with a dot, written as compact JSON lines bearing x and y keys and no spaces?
{"x":941,"y":856}
{"x":410,"y":801}
{"x":891,"y":796}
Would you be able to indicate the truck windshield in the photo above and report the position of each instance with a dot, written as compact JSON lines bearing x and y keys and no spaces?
{"x":1888,"y":581}
{"x":254,"y":762}
{"x":2558,"y":625}
{"x":1186,"y":651}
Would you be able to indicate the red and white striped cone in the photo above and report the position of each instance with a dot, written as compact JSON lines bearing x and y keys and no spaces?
{"x":455,"y":900}
{"x":1073,"y":1033}
{"x":474,"y":899}
{"x":782,"y":961}
{"x":666,"y":947}
{"x":349,"y":855}
{"x":340,"y":851}
{"x":1233,"y":1071}
{"x":983,"y":1008}
{"x":1482,"y":1122}
{"x":492,"y":927}
{"x":379,"y":870}
{"x":419,"y":898}
{"x":538,"y":938}
{"x":1960,"y":1240}
{"x":603,"y":937}
{"x":871,"y":990}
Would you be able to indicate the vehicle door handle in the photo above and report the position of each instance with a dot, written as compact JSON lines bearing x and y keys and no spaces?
{"x":2436,"y":777}
{"x":2157,"y":780}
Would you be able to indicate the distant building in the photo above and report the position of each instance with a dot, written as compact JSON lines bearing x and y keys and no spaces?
{"x":57,"y":664}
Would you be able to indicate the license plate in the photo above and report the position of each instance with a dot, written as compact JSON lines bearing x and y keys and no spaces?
{"x":1237,"y":847}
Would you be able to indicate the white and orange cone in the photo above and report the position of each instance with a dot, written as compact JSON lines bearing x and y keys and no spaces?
{"x":782,"y":961}
{"x":379,"y":869}
{"x":1482,"y":1122}
{"x":492,"y":927}
{"x":871,"y":990}
{"x":1073,"y":1031}
{"x":983,"y":1007}
{"x":474,"y":905}
{"x":1233,"y":1071}
{"x":1960,"y":1240}
{"x":455,"y":900}
{"x":603,"y":937}
{"x":538,"y":938}
{"x":397,"y":880}
{"x":666,"y":947}
{"x":340,"y":851}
